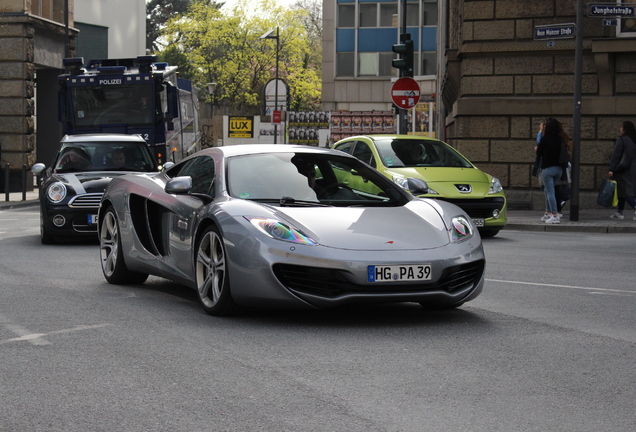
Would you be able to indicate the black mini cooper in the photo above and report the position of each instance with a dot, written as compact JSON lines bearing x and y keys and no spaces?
{"x":72,"y":187}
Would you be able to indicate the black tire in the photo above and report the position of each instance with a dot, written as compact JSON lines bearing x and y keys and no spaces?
{"x":111,"y":254}
{"x":488,"y":233}
{"x":45,"y":237}
{"x":213,"y":282}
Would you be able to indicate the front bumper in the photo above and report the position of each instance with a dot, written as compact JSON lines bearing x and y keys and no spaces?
{"x":76,"y":221}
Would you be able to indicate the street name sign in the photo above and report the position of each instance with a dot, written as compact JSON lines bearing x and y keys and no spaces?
{"x":603,"y":10}
{"x":555,"y":31}
{"x":405,"y":93}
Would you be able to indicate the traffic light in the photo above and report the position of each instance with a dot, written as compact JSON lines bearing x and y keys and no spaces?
{"x":405,"y":50}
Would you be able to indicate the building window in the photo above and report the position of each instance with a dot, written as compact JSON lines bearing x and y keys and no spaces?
{"x":429,"y":63}
{"x":389,"y":15}
{"x":412,"y":15}
{"x":346,"y":15}
{"x":386,"y":68}
{"x":368,"y":15}
{"x":368,"y":64}
{"x":429,"y":13}
{"x":345,"y":64}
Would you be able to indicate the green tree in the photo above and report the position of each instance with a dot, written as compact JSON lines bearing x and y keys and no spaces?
{"x":225,"y":47}
{"x":159,"y":12}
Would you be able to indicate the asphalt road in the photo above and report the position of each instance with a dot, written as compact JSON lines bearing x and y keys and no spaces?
{"x":549,"y":346}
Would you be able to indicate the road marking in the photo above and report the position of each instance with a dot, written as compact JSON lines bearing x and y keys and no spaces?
{"x":38,"y":338}
{"x":596,"y":290}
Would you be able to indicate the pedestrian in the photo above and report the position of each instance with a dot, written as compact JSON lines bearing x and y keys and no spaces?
{"x":562,"y":187}
{"x":549,"y":155}
{"x":622,"y":168}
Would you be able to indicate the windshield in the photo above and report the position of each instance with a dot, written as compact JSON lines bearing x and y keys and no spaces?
{"x":104,"y":105}
{"x":104,"y":156}
{"x":293,"y":178}
{"x":419,"y":153}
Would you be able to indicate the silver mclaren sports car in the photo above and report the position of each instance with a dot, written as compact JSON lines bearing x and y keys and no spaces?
{"x":286,"y":226}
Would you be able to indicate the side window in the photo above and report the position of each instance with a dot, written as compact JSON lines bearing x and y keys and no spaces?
{"x":202,"y":172}
{"x":346,"y":147}
{"x":175,"y":171}
{"x":364,"y":153}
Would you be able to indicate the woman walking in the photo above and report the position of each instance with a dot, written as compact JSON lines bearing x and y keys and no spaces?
{"x":623,"y":168}
{"x":549,"y":153}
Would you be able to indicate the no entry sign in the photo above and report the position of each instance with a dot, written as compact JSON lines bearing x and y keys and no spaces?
{"x":405,"y":93}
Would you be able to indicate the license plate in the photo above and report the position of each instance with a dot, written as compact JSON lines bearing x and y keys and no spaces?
{"x":478,"y":222}
{"x":398,"y":273}
{"x":92,"y":219}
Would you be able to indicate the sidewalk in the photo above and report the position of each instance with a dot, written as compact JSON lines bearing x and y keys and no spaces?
{"x":595,"y":221}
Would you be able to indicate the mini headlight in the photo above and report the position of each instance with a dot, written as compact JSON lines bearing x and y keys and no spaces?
{"x":56,"y":192}
{"x":495,"y":186}
{"x":461,"y":229}
{"x":278,"y":230}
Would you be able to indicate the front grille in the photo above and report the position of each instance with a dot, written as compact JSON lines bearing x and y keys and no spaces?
{"x":86,"y":201}
{"x":478,"y":208}
{"x":330,"y":283}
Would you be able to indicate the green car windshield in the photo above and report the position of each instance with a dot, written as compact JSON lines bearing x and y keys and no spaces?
{"x":411,"y":153}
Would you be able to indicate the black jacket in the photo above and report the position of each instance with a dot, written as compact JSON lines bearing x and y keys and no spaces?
{"x":549,"y":150}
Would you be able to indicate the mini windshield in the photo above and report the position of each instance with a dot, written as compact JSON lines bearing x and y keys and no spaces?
{"x":104,"y":156}
{"x":305,"y":178}
{"x":419,"y":153}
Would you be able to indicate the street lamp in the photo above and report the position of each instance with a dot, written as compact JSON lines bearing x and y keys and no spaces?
{"x":269,"y":35}
{"x":211,"y":87}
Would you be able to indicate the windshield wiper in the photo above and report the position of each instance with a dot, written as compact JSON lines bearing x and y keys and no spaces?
{"x":291,"y":202}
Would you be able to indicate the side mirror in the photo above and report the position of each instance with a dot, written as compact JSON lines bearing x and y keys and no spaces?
{"x":179,"y":185}
{"x":417,"y":186}
{"x":38,"y":168}
{"x":167,"y":166}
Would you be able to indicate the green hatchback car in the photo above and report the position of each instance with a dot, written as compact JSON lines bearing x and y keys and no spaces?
{"x":449,"y":176}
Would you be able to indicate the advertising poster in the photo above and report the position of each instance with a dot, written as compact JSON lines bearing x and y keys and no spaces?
{"x":306,"y":127}
{"x":344,"y":124}
{"x":424,"y":120}
{"x":241,"y":127}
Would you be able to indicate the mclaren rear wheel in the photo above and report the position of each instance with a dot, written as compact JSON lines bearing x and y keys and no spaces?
{"x":111,"y":253}
{"x":211,"y":266}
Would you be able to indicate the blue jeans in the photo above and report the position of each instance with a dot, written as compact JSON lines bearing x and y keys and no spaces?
{"x":550,"y":176}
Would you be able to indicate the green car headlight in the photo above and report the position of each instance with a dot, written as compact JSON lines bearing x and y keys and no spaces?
{"x":495,"y":186}
{"x":278,"y":230}
{"x":56,"y":192}
{"x":400,"y":181}
{"x":461,"y":229}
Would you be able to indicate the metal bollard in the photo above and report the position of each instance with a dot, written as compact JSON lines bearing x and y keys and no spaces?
{"x":6,"y":182}
{"x":24,"y":179}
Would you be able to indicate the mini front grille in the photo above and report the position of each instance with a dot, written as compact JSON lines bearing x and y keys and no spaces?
{"x":86,"y":201}
{"x":330,"y":283}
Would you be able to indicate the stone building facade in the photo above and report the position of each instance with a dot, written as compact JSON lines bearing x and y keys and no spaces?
{"x":34,"y":38}
{"x":499,"y":84}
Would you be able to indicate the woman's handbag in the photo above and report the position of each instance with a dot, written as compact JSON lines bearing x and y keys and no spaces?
{"x":607,"y":194}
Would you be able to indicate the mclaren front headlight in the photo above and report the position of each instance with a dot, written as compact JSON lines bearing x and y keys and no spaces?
{"x":281,"y":231}
{"x":461,"y":229}
{"x":56,"y":192}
